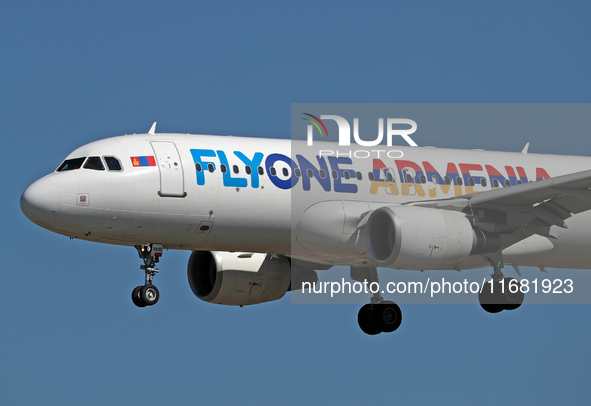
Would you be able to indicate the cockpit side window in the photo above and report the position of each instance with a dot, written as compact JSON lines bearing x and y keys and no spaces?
{"x":71,"y":164}
{"x":113,"y":163}
{"x":95,"y":163}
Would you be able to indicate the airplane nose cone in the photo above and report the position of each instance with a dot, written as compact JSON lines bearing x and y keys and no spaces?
{"x":40,"y":202}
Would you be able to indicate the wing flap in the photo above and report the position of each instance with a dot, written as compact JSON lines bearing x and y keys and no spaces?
{"x":573,"y":204}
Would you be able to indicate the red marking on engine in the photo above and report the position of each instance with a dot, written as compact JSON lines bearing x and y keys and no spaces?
{"x":433,"y":247}
{"x":251,"y":285}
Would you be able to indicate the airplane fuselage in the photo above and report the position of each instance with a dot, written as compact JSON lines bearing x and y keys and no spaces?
{"x":221,"y":193}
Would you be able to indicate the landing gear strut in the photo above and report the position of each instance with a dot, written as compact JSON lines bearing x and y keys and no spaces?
{"x":500,"y":293}
{"x":378,"y":316}
{"x":147,"y":295}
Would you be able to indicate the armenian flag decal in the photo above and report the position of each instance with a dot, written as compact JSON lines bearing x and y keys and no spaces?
{"x":143,"y":161}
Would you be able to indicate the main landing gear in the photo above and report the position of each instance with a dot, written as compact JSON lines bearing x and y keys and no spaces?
{"x":378,"y":316}
{"x":147,"y":295}
{"x":500,"y":293}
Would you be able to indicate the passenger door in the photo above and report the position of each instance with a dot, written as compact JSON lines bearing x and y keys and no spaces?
{"x":171,"y":169}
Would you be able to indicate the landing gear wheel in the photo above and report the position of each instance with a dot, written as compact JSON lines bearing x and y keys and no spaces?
{"x":492,"y":302}
{"x":388,"y":316}
{"x":513,"y":296}
{"x":366,"y":322}
{"x":135,"y":297}
{"x":149,"y":295}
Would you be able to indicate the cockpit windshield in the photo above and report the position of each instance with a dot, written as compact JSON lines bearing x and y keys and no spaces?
{"x":113,"y":163}
{"x":71,"y":164}
{"x":94,"y":162}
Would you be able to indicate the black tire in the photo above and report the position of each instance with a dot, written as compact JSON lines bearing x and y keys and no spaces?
{"x":135,"y":297}
{"x":492,"y":302}
{"x":364,"y":318}
{"x":492,"y":308}
{"x":388,"y":316}
{"x":149,"y":295}
{"x":512,"y":300}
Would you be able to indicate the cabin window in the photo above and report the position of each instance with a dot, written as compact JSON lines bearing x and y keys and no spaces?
{"x":507,"y":183}
{"x":519,"y":182}
{"x":273,"y":171}
{"x":390,"y":178}
{"x":223,"y":168}
{"x":248,"y":170}
{"x":434,"y":179}
{"x":423,"y":179}
{"x":447,"y":180}
{"x":297,"y":172}
{"x":359,"y":176}
{"x":471,"y":181}
{"x":235,"y":169}
{"x":459,"y":181}
{"x":322,"y":173}
{"x":495,"y":183}
{"x":261,"y":170}
{"x":94,"y":163}
{"x":210,"y":167}
{"x":285,"y":172}
{"x":113,"y":163}
{"x":408,"y":178}
{"x":71,"y":164}
{"x":198,"y":167}
{"x":347,"y":175}
{"x":483,"y":182}
{"x":334,"y":174}
{"x":370,"y":176}
{"x":309,"y":173}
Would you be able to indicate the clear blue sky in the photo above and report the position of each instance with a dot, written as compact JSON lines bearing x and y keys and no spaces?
{"x":73,"y":72}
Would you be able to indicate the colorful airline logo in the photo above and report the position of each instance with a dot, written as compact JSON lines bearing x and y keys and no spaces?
{"x":342,"y":175}
{"x":316,"y":125}
{"x":143,"y":161}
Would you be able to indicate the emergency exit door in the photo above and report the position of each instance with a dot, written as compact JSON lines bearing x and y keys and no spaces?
{"x":169,"y":163}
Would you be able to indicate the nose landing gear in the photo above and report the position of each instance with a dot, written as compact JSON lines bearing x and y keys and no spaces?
{"x":148,"y":295}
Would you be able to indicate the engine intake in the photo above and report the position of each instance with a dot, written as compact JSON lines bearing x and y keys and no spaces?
{"x":420,"y":238}
{"x":236,"y":279}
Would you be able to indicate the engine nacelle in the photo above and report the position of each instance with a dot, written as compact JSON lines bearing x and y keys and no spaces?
{"x":418,"y":238}
{"x":233,"y":278}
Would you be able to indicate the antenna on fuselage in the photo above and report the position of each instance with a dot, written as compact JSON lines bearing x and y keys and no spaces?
{"x":153,"y":129}
{"x":523,"y":151}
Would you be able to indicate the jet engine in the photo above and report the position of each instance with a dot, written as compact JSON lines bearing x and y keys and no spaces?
{"x":233,"y":278}
{"x":420,"y":238}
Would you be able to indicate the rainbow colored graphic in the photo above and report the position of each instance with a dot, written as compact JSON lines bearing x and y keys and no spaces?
{"x":319,"y":121}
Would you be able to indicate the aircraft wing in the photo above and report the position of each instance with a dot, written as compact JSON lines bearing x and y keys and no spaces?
{"x":532,"y":207}
{"x":570,"y":191}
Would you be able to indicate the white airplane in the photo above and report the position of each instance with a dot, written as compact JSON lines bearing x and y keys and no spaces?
{"x":261,"y":218}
